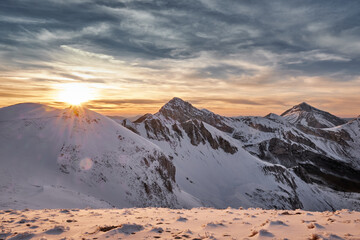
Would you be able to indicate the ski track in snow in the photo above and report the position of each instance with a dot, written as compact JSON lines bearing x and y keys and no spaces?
{"x":165,"y":223}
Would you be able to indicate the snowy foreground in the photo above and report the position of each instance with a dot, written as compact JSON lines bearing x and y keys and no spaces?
{"x":164,"y":223}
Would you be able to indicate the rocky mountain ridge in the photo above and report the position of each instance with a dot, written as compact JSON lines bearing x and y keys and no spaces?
{"x":321,"y":158}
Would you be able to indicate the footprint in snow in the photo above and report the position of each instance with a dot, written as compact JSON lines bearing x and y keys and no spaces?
{"x":265,"y":233}
{"x":157,"y":230}
{"x":188,"y":231}
{"x":22,"y":221}
{"x":213,"y":225}
{"x":4,"y":235}
{"x":127,"y":229}
{"x":334,"y":237}
{"x":181,"y":219}
{"x":57,"y":230}
{"x":277,"y":223}
{"x":22,"y":236}
{"x":318,"y":226}
{"x":64,"y":211}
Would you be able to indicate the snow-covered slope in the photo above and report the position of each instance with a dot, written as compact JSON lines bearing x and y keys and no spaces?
{"x":76,"y":158}
{"x":311,"y":117}
{"x":179,"y":157}
{"x":218,"y":159}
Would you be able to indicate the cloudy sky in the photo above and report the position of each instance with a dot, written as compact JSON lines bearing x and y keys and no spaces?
{"x":230,"y":56}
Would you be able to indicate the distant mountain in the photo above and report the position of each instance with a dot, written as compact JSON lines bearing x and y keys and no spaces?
{"x":307,"y":115}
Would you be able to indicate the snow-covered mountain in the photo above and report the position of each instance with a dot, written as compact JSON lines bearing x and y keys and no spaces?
{"x":179,"y":157}
{"x":311,"y":117}
{"x":265,"y":162}
{"x":77,"y":158}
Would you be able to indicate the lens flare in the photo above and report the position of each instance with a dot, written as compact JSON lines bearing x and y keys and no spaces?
{"x":86,"y":164}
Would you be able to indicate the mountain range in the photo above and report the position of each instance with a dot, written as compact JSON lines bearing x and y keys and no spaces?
{"x":179,"y":157}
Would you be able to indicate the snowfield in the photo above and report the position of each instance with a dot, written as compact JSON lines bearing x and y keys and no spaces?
{"x":73,"y":158}
{"x":165,"y":223}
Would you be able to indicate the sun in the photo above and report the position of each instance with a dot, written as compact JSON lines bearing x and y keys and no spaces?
{"x":75,"y":93}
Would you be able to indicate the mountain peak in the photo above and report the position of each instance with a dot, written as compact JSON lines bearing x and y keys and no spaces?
{"x":179,"y":109}
{"x":177,"y":102}
{"x":179,"y":106}
{"x":308,"y":115}
{"x":305,"y":107}
{"x":301,"y":107}
{"x":182,"y":111}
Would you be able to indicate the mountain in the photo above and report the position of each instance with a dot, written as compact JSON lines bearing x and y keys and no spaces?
{"x":267,"y":162}
{"x":180,"y":156}
{"x":307,"y":115}
{"x":52,"y":158}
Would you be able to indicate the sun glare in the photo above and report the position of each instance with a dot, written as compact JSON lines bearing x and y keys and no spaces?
{"x":75,"y":93}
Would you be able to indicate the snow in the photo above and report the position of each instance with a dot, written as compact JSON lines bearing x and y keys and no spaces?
{"x":76,"y":158}
{"x":220,"y":179}
{"x":164,"y":223}
{"x":310,"y":116}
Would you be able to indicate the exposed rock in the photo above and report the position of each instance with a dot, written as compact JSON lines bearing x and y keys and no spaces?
{"x":283,"y":176}
{"x":182,"y":111}
{"x":156,"y":130}
{"x":226,"y":146}
{"x":166,"y":169}
{"x":311,"y":166}
{"x":198,"y":133}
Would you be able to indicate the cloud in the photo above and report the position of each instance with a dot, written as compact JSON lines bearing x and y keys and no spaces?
{"x":241,"y":101}
{"x":154,"y":49}
{"x":127,"y":101}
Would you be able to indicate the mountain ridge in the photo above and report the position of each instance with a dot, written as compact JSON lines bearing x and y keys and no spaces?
{"x":196,"y":157}
{"x":306,"y":153}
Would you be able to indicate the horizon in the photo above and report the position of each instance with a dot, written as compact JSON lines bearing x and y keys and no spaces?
{"x":233,"y":58}
{"x":84,"y":105}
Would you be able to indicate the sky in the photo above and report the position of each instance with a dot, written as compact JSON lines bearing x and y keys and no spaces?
{"x":229,"y":56}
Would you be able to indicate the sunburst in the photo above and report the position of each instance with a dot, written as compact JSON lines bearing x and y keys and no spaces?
{"x":75,"y":93}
